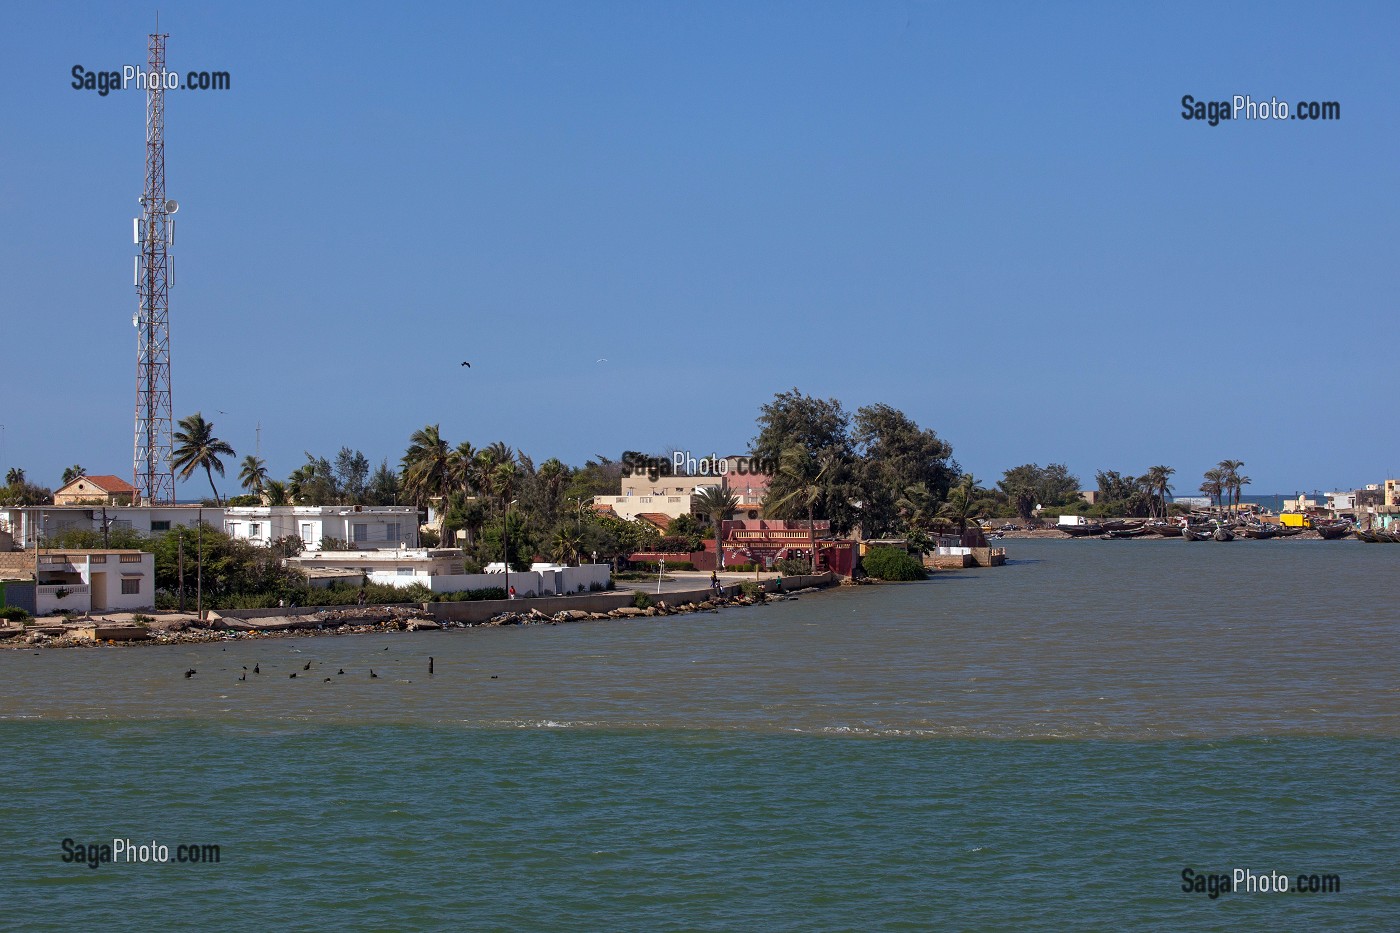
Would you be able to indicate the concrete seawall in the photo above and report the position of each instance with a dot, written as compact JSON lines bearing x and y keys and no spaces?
{"x":483,"y":609}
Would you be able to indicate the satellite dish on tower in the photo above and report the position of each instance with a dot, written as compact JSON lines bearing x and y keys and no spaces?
{"x":172,"y":206}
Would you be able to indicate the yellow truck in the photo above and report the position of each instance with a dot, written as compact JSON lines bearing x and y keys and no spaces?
{"x":1294,"y":520}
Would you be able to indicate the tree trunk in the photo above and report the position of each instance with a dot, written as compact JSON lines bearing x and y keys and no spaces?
{"x":812,"y":536}
{"x":210,"y":473}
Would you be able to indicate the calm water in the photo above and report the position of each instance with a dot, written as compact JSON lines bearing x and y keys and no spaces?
{"x":1040,"y":746}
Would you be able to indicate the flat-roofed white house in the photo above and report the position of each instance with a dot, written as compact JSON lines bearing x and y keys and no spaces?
{"x":84,"y":580}
{"x":24,"y":522}
{"x":406,"y":562}
{"x":360,"y":527}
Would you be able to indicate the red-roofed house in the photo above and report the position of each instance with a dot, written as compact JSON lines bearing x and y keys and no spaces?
{"x":96,"y":490}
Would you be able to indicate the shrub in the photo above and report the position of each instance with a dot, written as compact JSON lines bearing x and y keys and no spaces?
{"x":651,"y":566}
{"x":887,"y":563}
{"x":142,"y":620}
{"x":466,"y":596}
{"x":792,"y":567}
{"x":751,"y":588}
{"x":596,"y":587}
{"x":739,"y":568}
{"x":14,"y":613}
{"x":640,"y":600}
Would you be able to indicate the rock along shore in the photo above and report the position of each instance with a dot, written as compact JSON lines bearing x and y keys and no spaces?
{"x":350,"y":620}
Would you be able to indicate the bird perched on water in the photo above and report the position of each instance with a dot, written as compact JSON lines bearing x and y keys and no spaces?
{"x":293,"y":674}
{"x":243,"y":676}
{"x":190,"y":673}
{"x":373,"y":675}
{"x":466,"y":364}
{"x":326,"y":681}
{"x":257,"y":668}
{"x":306,"y":666}
{"x":341,"y":671}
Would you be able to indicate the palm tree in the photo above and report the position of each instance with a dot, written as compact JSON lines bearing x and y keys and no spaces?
{"x":73,"y":472}
{"x":1213,"y":484}
{"x":427,"y":465}
{"x":961,"y":502}
{"x":196,"y":446}
{"x":503,"y":481}
{"x":806,"y":480}
{"x":1230,"y":470}
{"x":14,"y":477}
{"x":253,"y":475}
{"x":1158,"y":487}
{"x":566,"y":544}
{"x":275,"y":493}
{"x":717,"y":503}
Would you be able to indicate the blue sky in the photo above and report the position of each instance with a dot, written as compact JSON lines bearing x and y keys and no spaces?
{"x":991,"y":216}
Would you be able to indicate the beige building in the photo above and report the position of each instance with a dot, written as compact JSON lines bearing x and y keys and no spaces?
{"x":407,"y":562}
{"x":96,"y":490}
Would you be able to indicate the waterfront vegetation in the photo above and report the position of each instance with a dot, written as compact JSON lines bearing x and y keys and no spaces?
{"x":874,"y":472}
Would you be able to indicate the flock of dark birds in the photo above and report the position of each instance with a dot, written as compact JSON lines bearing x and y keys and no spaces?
{"x":257,"y":669}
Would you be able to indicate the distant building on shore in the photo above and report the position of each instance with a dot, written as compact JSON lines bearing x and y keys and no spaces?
{"x":325,"y":527}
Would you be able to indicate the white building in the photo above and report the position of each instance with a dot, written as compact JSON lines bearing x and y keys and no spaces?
{"x":22,"y":522}
{"x":362,"y":527}
{"x":554,"y":581}
{"x":83,"y":580}
{"x":414,"y":563}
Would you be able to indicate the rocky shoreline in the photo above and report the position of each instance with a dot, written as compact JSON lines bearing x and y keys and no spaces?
{"x":352,"y":620}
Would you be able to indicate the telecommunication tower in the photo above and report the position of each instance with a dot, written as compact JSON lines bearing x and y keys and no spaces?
{"x":154,"y":232}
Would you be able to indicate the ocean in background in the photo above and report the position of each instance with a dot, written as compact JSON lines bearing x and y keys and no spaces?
{"x":1041,"y":746}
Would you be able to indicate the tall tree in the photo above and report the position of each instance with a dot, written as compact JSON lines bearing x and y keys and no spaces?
{"x":383,"y":485}
{"x":427,"y":466}
{"x":73,"y":472}
{"x":1230,"y":479}
{"x":893,"y":453}
{"x":195,"y":447}
{"x":820,"y":430}
{"x":716,"y":503}
{"x":1159,"y":486}
{"x":1213,"y":484}
{"x":14,"y":476}
{"x":253,"y":474}
{"x":807,"y":482}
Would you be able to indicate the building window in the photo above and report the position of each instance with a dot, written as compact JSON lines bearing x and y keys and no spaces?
{"x":308,"y":533}
{"x":131,"y":558}
{"x":160,"y":526}
{"x":131,"y":587}
{"x":405,"y":571}
{"x":359,"y":532}
{"x":393,"y":531}
{"x":254,"y":529}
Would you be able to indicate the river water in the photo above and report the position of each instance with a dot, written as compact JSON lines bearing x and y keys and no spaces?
{"x":1045,"y":745}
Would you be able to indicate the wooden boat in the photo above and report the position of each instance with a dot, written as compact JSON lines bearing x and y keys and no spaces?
{"x":1334,"y":531}
{"x":1222,"y":533}
{"x":1288,"y":531}
{"x":1196,"y":534}
{"x":1166,"y":529}
{"x":1081,"y":531}
{"x":1258,"y":531}
{"x":1123,"y":533}
{"x":1368,"y":536}
{"x":1119,"y":524}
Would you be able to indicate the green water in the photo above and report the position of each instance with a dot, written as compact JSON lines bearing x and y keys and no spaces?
{"x":1043,"y":746}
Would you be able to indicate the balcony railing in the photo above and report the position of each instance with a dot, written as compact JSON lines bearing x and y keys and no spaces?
{"x":70,"y":589}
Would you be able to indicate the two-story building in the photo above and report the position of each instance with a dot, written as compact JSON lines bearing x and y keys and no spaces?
{"x":79,"y":580}
{"x":26,"y":524}
{"x":358,"y":527}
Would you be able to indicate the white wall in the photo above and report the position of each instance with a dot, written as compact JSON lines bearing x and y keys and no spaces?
{"x":526,"y":582}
